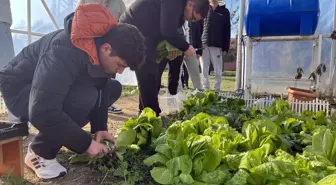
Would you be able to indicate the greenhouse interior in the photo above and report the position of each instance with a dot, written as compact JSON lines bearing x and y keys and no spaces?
{"x":244,"y":136}
{"x":269,"y":67}
{"x":35,"y":18}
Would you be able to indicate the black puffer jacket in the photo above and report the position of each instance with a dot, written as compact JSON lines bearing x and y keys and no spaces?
{"x":158,"y":20}
{"x":195,"y":33}
{"x":216,"y":28}
{"x":47,"y":69}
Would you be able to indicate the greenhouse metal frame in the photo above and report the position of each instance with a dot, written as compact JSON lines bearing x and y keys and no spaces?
{"x":29,"y":31}
{"x":245,"y":46}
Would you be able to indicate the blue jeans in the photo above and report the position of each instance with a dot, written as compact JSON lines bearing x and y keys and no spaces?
{"x":6,"y":52}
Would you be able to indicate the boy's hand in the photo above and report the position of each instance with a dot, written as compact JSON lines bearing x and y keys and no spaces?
{"x":104,"y":135}
{"x":190,"y":51}
{"x":96,"y":148}
{"x":172,"y":55}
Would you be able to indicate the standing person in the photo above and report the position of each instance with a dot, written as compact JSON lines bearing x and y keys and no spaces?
{"x":184,"y":76}
{"x":160,"y":20}
{"x":62,"y":81}
{"x":6,"y":47}
{"x":215,"y":41}
{"x":174,"y":71}
{"x":193,"y":36}
{"x":190,"y":64}
{"x":116,"y":7}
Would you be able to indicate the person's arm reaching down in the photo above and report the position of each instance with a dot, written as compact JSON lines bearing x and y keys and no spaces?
{"x":52,"y":80}
{"x":171,"y":10}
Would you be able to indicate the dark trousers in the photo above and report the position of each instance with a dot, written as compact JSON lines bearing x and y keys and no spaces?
{"x":173,"y":74}
{"x":81,"y":104}
{"x":185,"y":76}
{"x":147,"y":78}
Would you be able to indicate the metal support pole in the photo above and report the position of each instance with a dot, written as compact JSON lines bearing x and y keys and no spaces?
{"x":242,"y":68}
{"x":49,"y":14}
{"x":319,"y":50}
{"x":332,"y":55}
{"x":248,"y":66}
{"x":239,"y":45}
{"x":287,"y":38}
{"x":319,"y":58}
{"x":26,"y":32}
{"x":314,"y":55}
{"x":29,"y":21}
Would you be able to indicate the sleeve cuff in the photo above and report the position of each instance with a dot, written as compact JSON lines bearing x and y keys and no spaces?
{"x":185,"y":46}
{"x":84,"y":144}
{"x":95,"y":128}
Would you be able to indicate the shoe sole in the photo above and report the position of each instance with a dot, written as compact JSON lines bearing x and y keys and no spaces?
{"x":115,"y":112}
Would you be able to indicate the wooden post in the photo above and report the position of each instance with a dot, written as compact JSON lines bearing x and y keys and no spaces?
{"x":11,"y":157}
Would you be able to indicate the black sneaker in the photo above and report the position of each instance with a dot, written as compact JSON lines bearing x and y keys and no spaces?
{"x":115,"y":110}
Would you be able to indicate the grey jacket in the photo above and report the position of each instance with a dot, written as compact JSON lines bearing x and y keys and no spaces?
{"x":116,"y":7}
{"x":5,"y":12}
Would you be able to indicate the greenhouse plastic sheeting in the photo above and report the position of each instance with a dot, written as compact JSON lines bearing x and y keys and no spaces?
{"x":127,"y":77}
{"x":281,"y":59}
{"x":41,"y":23}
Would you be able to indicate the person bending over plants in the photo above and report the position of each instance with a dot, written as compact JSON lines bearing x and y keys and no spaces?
{"x":159,"y":20}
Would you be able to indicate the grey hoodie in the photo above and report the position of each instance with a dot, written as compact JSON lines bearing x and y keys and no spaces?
{"x":116,"y":7}
{"x":5,"y":12}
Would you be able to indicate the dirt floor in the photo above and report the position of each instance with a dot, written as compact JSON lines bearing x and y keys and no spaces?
{"x":83,"y":174}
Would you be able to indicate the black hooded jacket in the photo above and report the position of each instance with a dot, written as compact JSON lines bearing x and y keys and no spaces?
{"x":46,"y":70}
{"x":158,"y":20}
{"x":195,"y":33}
{"x":216,"y":28}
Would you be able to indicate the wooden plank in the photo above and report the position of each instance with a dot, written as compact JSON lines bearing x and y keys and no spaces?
{"x":21,"y":157}
{"x":12,"y":156}
{"x":1,"y":155}
{"x":9,"y":140}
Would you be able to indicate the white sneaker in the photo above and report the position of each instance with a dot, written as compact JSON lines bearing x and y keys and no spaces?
{"x":43,"y":168}
{"x":115,"y":110}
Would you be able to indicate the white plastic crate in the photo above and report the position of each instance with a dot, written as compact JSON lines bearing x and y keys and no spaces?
{"x":174,"y":103}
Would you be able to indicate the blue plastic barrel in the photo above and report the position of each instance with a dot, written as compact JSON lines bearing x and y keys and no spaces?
{"x":281,"y":17}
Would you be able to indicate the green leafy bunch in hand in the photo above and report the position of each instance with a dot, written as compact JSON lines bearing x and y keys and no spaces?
{"x":165,"y":50}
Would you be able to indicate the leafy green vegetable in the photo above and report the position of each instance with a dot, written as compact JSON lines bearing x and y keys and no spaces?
{"x":162,"y":175}
{"x":218,"y":141}
{"x":331,"y":179}
{"x":163,"y":49}
{"x":140,"y":131}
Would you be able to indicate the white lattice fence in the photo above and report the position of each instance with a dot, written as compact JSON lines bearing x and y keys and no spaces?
{"x":297,"y":105}
{"x":259,"y":103}
{"x":314,"y":105}
{"x":171,"y":104}
{"x":230,"y":95}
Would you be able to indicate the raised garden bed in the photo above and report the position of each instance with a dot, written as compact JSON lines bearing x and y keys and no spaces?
{"x":221,"y":142}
